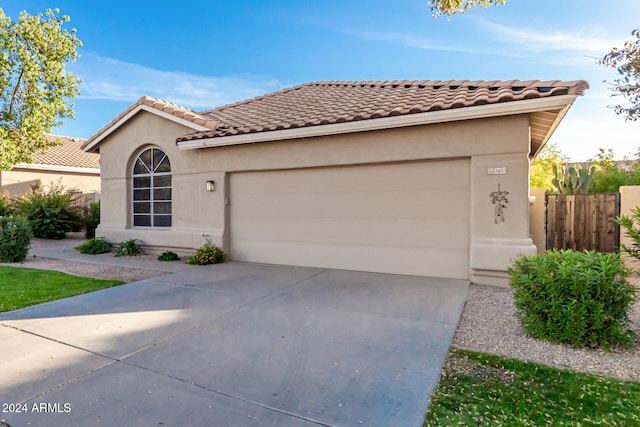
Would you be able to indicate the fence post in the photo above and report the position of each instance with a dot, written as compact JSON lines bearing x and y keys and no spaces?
{"x":551,"y":222}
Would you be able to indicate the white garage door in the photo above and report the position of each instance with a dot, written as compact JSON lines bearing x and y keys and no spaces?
{"x":408,"y":218}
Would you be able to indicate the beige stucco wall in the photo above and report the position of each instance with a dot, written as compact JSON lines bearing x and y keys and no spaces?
{"x":537,"y":219}
{"x":199,"y":215}
{"x":629,"y":200}
{"x":19,"y":180}
{"x":494,"y":243}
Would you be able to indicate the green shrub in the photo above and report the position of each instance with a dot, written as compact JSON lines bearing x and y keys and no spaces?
{"x":129,"y":247}
{"x":91,"y":219}
{"x":77,"y":224}
{"x":576,"y":298}
{"x":206,"y":255}
{"x":168,"y":256}
{"x":51,"y":213}
{"x":94,"y":246}
{"x":15,"y":238}
{"x":628,"y":224}
{"x":6,"y":207}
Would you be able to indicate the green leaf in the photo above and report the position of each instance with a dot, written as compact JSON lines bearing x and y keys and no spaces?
{"x":35,"y":88}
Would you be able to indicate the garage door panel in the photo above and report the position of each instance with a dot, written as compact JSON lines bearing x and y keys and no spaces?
{"x":388,"y":232}
{"x":413,"y":261}
{"x":400,"y":204}
{"x":408,"y":218}
{"x":393,"y":177}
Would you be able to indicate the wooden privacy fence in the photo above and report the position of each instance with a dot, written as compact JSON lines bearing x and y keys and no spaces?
{"x":583,"y":221}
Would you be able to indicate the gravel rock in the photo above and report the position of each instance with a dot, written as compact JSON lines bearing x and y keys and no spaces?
{"x":489,"y":324}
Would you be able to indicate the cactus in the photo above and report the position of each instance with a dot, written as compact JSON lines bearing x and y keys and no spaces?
{"x":570,"y":180}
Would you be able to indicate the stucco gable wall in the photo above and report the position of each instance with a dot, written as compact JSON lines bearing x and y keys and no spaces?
{"x":144,"y":129}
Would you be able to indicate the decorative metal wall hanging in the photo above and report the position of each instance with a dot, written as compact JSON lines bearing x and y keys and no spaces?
{"x":499,"y":198}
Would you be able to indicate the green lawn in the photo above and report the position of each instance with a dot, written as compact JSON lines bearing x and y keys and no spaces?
{"x":22,"y":287}
{"x":479,"y":389}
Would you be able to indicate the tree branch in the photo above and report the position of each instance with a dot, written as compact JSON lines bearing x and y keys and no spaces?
{"x":14,"y":95}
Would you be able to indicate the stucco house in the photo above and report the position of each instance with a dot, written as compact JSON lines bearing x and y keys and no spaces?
{"x":410,"y":177}
{"x":66,"y":163}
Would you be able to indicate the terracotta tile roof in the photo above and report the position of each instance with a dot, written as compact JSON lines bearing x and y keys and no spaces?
{"x":68,"y":154}
{"x":320,"y":103}
{"x":160,"y":105}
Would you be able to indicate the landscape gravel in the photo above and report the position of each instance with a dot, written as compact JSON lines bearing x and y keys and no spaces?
{"x":489,"y":324}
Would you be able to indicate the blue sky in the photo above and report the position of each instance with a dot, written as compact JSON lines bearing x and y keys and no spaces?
{"x":203,"y":54}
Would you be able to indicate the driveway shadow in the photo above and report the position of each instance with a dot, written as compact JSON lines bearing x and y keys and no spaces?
{"x":236,"y":344}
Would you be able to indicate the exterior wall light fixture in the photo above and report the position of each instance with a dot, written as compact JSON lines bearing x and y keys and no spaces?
{"x":211,"y":186}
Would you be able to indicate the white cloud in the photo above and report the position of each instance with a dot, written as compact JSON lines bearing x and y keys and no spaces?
{"x":409,"y":40}
{"x":549,"y":41}
{"x":514,"y":42}
{"x":111,"y":79}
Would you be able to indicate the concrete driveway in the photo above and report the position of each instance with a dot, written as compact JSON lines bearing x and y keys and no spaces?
{"x":234,"y":344}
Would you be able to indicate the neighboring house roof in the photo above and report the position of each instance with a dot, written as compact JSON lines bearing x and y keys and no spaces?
{"x":339,"y":106}
{"x":68,"y":156}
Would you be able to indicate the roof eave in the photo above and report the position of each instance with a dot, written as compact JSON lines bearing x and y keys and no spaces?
{"x":550,"y":131}
{"x":561,"y":102}
{"x":92,"y":146}
{"x":57,"y":168}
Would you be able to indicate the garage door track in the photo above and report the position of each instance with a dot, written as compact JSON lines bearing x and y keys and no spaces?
{"x":235,"y":344}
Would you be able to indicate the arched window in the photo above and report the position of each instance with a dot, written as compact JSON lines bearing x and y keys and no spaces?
{"x":152,"y":189}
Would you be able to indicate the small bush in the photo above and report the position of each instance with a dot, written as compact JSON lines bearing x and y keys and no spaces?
{"x":168,"y":256}
{"x":94,"y":246}
{"x":129,"y":247}
{"x":577,"y":298}
{"x":15,"y":238}
{"x":91,"y":219}
{"x":51,"y":213}
{"x":206,"y":255}
{"x":6,"y":206}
